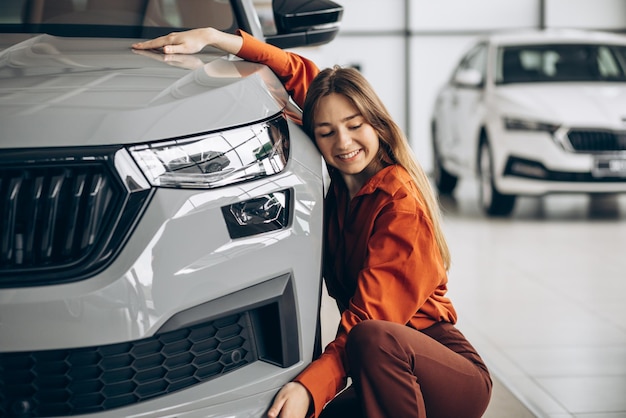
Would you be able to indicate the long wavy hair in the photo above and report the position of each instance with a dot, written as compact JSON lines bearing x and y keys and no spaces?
{"x":394,"y":146}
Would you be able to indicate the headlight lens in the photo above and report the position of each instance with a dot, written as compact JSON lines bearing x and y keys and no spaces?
{"x":513,"y":124}
{"x":217,"y":159}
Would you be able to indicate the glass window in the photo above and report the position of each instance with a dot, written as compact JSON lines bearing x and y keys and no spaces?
{"x":560,"y":62}
{"x":607,"y":64}
{"x":98,"y":17}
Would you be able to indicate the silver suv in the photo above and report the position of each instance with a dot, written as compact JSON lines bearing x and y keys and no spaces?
{"x":160,"y":225}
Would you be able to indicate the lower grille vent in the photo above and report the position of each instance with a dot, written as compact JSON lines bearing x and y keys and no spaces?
{"x":87,"y":380}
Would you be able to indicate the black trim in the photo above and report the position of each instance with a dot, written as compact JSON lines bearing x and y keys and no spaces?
{"x":273,"y":312}
{"x":240,"y":15}
{"x":311,"y":37}
{"x":551,"y":175}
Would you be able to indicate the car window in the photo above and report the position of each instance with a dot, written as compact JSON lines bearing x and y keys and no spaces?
{"x":123,"y":18}
{"x":607,"y":63}
{"x":564,"y":62}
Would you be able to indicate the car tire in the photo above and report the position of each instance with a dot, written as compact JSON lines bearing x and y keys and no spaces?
{"x":492,"y":202}
{"x":444,"y":181}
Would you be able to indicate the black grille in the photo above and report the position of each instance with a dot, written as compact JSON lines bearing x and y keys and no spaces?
{"x":92,"y":379}
{"x":597,"y":141}
{"x":63,"y":214}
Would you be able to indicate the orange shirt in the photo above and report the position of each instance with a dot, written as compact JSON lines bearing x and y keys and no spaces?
{"x":381,"y":259}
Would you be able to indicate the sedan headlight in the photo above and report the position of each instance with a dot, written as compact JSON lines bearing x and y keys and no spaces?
{"x":217,"y":159}
{"x":513,"y":124}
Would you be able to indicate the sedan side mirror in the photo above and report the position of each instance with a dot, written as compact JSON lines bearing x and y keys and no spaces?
{"x":468,"y":77}
{"x":305,"y":22}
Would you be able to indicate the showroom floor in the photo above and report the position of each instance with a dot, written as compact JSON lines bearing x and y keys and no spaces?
{"x":542,"y":296}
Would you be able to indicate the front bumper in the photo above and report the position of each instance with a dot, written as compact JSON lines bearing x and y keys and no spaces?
{"x":533,"y":163}
{"x":179,"y":270}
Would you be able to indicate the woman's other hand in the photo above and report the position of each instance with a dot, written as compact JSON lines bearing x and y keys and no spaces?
{"x":192,"y":41}
{"x":188,"y":42}
{"x":292,"y":401}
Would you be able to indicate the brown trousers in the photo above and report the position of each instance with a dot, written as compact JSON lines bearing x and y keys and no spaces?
{"x":398,"y":372}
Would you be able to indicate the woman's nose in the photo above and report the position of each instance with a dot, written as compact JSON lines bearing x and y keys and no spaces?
{"x":343,"y":138}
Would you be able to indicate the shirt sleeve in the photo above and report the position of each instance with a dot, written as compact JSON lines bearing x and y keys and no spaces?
{"x":293,"y":70}
{"x":402,"y":270}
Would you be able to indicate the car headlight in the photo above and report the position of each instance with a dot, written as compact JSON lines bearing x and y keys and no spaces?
{"x":513,"y":124}
{"x":217,"y":159}
{"x":261,"y":214}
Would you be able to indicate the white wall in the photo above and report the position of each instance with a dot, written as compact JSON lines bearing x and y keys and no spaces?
{"x":590,"y":14}
{"x":459,"y":15}
{"x":373,"y":36}
{"x":381,"y":59}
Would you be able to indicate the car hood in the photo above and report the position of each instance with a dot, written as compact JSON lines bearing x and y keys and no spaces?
{"x":571,"y":104}
{"x":73,"y":91}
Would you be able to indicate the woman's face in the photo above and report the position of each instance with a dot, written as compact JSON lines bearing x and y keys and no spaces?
{"x":347,"y":142}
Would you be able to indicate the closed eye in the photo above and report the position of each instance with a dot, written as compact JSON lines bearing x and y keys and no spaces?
{"x":355,"y":127}
{"x":326,"y":134}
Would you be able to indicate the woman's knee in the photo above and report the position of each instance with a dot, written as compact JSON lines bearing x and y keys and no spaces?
{"x":362,"y":345}
{"x":367,"y":336}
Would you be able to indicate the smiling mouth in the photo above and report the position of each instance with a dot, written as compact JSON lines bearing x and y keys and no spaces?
{"x":348,"y":155}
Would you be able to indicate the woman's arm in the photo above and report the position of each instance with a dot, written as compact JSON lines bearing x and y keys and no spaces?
{"x":192,"y":41}
{"x":293,"y":70}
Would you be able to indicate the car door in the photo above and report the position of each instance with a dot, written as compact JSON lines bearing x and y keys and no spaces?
{"x":467,"y":106}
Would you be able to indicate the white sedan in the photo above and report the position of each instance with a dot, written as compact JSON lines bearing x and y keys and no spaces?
{"x":532,"y":113}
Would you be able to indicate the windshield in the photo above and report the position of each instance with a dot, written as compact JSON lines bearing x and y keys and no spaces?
{"x":114,"y":18}
{"x":560,"y":63}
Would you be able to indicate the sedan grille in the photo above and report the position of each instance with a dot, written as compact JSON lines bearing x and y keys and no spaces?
{"x":92,"y":379}
{"x":597,"y":141}
{"x":63,"y":214}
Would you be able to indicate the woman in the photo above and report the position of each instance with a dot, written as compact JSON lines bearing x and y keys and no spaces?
{"x":385,"y":259}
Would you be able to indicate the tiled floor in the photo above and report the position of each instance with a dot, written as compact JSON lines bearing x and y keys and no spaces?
{"x":504,"y":404}
{"x":542,"y":296}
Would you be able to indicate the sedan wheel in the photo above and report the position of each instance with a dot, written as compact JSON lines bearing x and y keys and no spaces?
{"x":492,"y":201}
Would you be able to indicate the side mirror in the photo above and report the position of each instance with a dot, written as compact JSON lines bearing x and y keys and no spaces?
{"x":468,"y":77}
{"x":304,"y":22}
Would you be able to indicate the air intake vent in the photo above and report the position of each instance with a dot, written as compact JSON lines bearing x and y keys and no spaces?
{"x":63,"y":214}
{"x":92,"y":379}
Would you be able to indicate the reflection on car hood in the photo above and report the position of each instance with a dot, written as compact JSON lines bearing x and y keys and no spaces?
{"x":572,"y":104}
{"x":74,"y":91}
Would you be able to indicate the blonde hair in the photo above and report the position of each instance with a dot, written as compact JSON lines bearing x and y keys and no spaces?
{"x":394,"y":146}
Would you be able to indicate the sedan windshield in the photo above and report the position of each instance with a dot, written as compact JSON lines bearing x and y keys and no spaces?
{"x":116,"y":18}
{"x":560,"y":63}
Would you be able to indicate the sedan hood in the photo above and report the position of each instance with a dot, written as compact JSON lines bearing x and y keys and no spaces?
{"x":571,"y":104}
{"x":74,"y":91}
